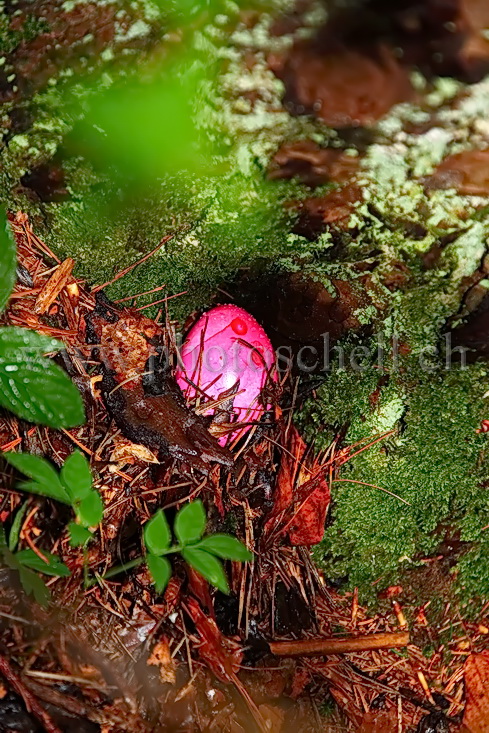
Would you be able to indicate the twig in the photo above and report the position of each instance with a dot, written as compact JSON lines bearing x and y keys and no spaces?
{"x":30,"y":701}
{"x":372,"y":486}
{"x":163,"y":300}
{"x":139,"y":295}
{"x":128,"y":269}
{"x":370,"y":642}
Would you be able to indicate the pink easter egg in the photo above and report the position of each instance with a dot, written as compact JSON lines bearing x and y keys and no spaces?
{"x":227,"y":349}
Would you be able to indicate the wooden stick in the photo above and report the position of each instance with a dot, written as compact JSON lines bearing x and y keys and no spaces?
{"x":309,"y":647}
{"x":30,"y":701}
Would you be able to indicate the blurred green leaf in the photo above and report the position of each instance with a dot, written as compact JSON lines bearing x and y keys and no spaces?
{"x":76,"y":476}
{"x":31,"y":583}
{"x":190,"y":523}
{"x":160,"y":571}
{"x":35,"y":586}
{"x":78,"y":535}
{"x":45,"y":478}
{"x":13,"y":538}
{"x":26,"y":342}
{"x":90,"y":510}
{"x":227,"y":547}
{"x":208,"y":566}
{"x":157,"y":535}
{"x":54,"y":566}
{"x":142,"y":129}
{"x":8,"y":260}
{"x":3,"y":539}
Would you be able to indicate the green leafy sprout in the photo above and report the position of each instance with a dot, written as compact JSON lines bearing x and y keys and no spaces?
{"x":203,"y":554}
{"x":72,"y":486}
{"x":31,"y":386}
{"x":25,"y":562}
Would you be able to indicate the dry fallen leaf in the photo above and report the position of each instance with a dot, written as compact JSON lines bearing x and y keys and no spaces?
{"x":476,"y":676}
{"x":273,"y":716}
{"x":379,"y":722}
{"x":467,"y":172}
{"x":126,"y":453}
{"x":343,"y":87}
{"x":161,"y":657}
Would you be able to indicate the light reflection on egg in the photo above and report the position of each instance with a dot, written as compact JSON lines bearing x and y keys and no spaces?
{"x":228,"y":350}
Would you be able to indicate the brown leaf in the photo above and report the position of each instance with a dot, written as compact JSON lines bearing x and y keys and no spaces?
{"x":302,"y":496}
{"x":307,"y":526}
{"x":161,"y":657}
{"x":314,"y":165}
{"x":468,"y":172}
{"x":125,"y":452}
{"x":344,"y":87}
{"x":476,"y":674}
{"x":50,"y":291}
{"x":379,"y":722}
{"x":289,"y":468}
{"x":334,"y":209}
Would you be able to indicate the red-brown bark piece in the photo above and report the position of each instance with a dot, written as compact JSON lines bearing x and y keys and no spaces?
{"x":467,"y":172}
{"x":302,"y":496}
{"x":312,"y":164}
{"x":344,"y":87}
{"x":221,"y":654}
{"x":476,"y":717}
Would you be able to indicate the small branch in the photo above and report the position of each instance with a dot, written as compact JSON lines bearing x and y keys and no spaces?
{"x":30,"y":701}
{"x":309,"y":647}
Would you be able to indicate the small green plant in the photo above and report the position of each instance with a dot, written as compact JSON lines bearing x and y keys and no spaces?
{"x":200,"y":552}
{"x":72,"y":486}
{"x":25,"y":562}
{"x":31,"y":386}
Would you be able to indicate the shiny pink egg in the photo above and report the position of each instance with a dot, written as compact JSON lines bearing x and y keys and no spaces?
{"x":227,"y":354}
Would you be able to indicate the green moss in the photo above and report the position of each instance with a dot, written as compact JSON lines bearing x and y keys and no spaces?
{"x":435,"y":461}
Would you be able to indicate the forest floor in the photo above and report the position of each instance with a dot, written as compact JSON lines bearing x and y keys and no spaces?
{"x":333,"y":180}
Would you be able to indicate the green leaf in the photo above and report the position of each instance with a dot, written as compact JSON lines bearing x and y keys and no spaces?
{"x":227,"y":547}
{"x":29,"y":344}
{"x":157,"y":535}
{"x":8,"y":261}
{"x":90,"y":510}
{"x":13,"y":538}
{"x":190,"y":523}
{"x":78,"y":535}
{"x":34,"y":585}
{"x":45,"y":478}
{"x":39,"y":391}
{"x":76,"y":476}
{"x":54,"y":566}
{"x":208,"y":566}
{"x":160,"y":571}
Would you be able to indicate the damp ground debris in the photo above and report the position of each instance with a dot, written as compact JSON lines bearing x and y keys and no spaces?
{"x":325,"y":166}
